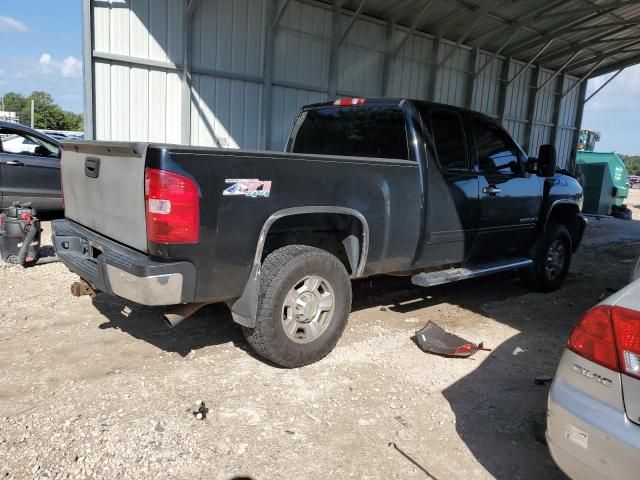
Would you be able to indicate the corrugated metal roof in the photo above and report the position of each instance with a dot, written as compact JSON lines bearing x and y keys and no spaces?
{"x":583,"y":36}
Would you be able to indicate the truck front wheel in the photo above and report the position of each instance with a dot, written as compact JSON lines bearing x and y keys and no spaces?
{"x":303,"y":306}
{"x":552,"y":259}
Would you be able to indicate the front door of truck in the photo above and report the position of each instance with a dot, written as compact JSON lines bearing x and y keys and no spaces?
{"x":452,"y":189}
{"x":509,"y":197}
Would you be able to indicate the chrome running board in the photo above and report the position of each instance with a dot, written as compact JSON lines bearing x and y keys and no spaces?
{"x":464,"y":273}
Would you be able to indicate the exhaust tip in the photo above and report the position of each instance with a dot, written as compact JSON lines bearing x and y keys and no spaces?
{"x":181,"y":312}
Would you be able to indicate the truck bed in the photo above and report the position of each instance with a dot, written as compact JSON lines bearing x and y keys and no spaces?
{"x":386,"y":193}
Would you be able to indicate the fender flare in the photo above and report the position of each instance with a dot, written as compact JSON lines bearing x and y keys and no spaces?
{"x":244,"y":310}
{"x":581,"y":218}
{"x":562,"y":201}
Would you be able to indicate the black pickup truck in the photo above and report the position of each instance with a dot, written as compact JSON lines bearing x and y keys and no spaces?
{"x":365,"y":187}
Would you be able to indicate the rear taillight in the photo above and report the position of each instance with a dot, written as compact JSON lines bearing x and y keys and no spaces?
{"x":593,"y":339}
{"x":626,"y":325}
{"x":172,"y":203}
{"x":609,"y":336}
{"x":344,"y":102}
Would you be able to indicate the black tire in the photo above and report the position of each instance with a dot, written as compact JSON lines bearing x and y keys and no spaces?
{"x":282,"y":271}
{"x":545,"y":275}
{"x":635,"y":274}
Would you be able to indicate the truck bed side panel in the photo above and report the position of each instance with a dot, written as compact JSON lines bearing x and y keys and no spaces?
{"x":385,"y":192}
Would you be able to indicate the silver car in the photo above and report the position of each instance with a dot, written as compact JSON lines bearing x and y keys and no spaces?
{"x":593,"y":420}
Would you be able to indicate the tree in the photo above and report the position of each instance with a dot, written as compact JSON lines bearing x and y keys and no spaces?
{"x":14,"y":102}
{"x":47,"y":115}
{"x":632,"y":163}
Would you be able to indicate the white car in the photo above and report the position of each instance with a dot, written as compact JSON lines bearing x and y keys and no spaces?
{"x":18,"y":144}
{"x":593,"y":419}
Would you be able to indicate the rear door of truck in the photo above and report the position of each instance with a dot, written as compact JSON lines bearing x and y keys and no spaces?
{"x":104,"y":189}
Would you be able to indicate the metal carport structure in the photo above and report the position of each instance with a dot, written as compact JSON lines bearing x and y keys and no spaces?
{"x":234,"y":72}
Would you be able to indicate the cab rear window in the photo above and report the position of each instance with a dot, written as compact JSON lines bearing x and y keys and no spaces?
{"x":359,"y":131}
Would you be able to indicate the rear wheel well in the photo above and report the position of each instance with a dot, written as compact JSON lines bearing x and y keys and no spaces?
{"x":340,"y":234}
{"x":567,"y":214}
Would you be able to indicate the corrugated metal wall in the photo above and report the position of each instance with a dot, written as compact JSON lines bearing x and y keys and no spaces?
{"x":141,"y":91}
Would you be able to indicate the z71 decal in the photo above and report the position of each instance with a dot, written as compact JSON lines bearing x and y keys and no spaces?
{"x":248,"y":187}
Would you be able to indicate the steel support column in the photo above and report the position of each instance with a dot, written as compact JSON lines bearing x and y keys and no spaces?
{"x":576,"y":133}
{"x":433,"y":77}
{"x":388,"y":59}
{"x":504,"y":88}
{"x":334,"y":52}
{"x":471,"y":85}
{"x":88,"y":70}
{"x":557,"y":107}
{"x":185,"y":74}
{"x":273,"y":16}
{"x":533,"y":97}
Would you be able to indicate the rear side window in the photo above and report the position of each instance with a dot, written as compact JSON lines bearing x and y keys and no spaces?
{"x":496,"y":152}
{"x":358,"y":131}
{"x":449,"y":139}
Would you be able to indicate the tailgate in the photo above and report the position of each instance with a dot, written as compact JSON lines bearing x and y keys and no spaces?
{"x":103,"y":186}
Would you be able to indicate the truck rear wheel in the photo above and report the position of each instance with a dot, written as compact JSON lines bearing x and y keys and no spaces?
{"x":552,"y":259}
{"x":303,"y":306}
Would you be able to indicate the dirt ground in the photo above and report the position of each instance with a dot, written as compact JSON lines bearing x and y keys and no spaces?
{"x":99,"y":389}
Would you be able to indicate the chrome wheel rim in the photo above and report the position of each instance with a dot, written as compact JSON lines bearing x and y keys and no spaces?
{"x":308,"y":309}
{"x":555,"y":259}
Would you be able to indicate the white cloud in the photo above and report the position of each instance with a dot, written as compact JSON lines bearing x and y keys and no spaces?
{"x":10,"y":24}
{"x":70,"y":67}
{"x":622,"y":93}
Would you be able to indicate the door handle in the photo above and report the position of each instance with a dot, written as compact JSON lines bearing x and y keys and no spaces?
{"x":15,"y":163}
{"x":491,"y":190}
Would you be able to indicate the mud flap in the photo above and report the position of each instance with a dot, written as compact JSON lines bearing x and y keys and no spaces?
{"x":244,"y":310}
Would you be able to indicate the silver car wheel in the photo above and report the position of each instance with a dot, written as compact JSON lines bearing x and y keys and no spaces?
{"x":308,"y":309}
{"x":555,"y":259}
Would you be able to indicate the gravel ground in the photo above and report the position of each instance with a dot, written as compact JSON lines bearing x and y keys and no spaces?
{"x":101,"y":389}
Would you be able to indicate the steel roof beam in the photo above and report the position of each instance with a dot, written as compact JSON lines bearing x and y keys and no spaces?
{"x":411,"y":31}
{"x":619,"y":39}
{"x":604,"y":84}
{"x":557,"y":72}
{"x":479,"y":15}
{"x":525,"y":21}
{"x":352,"y":23}
{"x":496,"y":53}
{"x":555,"y":34}
{"x":587,"y":44}
{"x":606,"y":54}
{"x":519,"y":72}
{"x":398,"y":9}
{"x":626,"y":23}
{"x":592,"y":8}
{"x":613,"y":66}
{"x":585,"y":77}
{"x":279,"y":14}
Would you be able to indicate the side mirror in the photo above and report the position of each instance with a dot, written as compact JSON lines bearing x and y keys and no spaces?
{"x":547,"y":161}
{"x":532,"y":165}
{"x":41,"y":151}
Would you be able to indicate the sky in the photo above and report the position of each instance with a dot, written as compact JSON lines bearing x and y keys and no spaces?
{"x":615,"y":112}
{"x":38,"y":54}
{"x":42,"y":49}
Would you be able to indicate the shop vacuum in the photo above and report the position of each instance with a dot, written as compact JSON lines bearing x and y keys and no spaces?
{"x":20,"y":235}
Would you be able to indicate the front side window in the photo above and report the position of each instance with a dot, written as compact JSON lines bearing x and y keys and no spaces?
{"x":496,"y":152}
{"x":359,"y":131}
{"x":19,"y":143}
{"x":449,"y":139}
